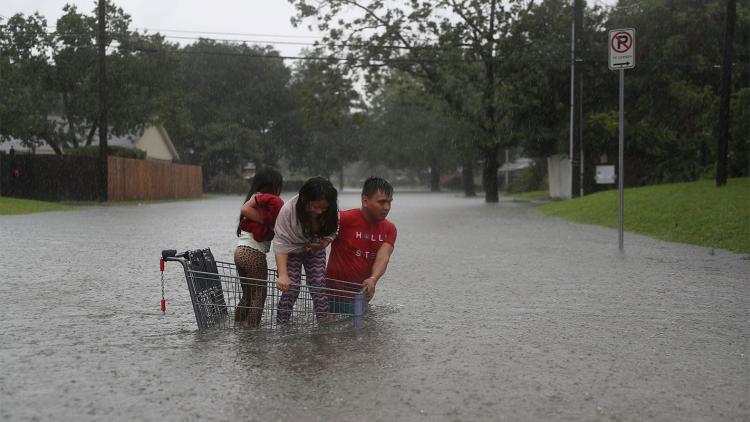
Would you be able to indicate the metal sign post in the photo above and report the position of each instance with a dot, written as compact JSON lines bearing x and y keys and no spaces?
{"x":620,"y":164}
{"x":621,"y":57}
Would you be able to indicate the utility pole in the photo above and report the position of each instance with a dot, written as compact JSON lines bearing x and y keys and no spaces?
{"x":101,"y":41}
{"x":572,"y":99}
{"x":724,"y":95}
{"x":576,"y":158}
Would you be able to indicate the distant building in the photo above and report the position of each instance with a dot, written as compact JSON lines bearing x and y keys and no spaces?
{"x":510,"y":169}
{"x":154,"y":140}
{"x":248,"y":170}
{"x":518,"y":164}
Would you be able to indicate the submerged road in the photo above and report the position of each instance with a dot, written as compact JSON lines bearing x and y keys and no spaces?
{"x":487,"y":312}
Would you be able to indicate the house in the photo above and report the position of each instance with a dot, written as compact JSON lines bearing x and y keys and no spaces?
{"x":511,"y":169}
{"x":248,"y":170}
{"x":157,"y":144}
{"x":154,"y":140}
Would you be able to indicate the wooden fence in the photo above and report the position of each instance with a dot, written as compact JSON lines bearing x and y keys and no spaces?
{"x":130,"y":179}
{"x":49,"y":177}
{"x":74,"y":178}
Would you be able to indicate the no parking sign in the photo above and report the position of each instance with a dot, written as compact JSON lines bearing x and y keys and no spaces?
{"x":622,"y":49}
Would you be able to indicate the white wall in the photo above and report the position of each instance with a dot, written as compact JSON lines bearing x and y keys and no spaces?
{"x":154,"y":144}
{"x":558,"y":168}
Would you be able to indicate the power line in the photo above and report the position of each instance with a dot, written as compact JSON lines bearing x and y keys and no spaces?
{"x":222,"y":40}
{"x":232,"y":40}
{"x":332,"y":58}
{"x":342,"y":45}
{"x":239,"y":34}
{"x":386,"y":62}
{"x":381,"y":62}
{"x":298,"y":43}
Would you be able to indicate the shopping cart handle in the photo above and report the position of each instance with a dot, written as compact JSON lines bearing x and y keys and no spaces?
{"x":168,"y":253}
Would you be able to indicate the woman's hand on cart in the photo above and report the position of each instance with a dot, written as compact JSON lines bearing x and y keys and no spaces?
{"x":283,"y":283}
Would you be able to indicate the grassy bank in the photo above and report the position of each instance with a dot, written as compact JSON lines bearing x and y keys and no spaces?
{"x":135,"y":202}
{"x":11,"y":206}
{"x":698,"y":213}
{"x":531,"y":196}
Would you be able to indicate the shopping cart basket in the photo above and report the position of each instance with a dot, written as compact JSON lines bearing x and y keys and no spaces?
{"x":216,"y":291}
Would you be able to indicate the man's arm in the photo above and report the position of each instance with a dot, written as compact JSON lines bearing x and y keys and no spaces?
{"x":378,"y":268}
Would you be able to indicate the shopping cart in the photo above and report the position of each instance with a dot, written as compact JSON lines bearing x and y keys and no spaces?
{"x":216,"y":291}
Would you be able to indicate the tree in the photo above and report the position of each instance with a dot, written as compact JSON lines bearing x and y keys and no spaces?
{"x":671,"y":121}
{"x":408,"y":129}
{"x":234,"y":105}
{"x":49,"y":84}
{"x":328,"y":108}
{"x":443,"y":43}
{"x":539,"y":79}
{"x":75,"y":78}
{"x":144,"y":76}
{"x":24,"y":86}
{"x":725,"y":94}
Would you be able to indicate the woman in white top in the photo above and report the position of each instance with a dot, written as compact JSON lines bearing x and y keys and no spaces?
{"x":254,"y":234}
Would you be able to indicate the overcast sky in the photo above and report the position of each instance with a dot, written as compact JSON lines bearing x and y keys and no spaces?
{"x":257,"y":20}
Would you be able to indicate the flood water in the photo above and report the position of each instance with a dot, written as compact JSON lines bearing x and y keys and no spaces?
{"x":487,"y":312}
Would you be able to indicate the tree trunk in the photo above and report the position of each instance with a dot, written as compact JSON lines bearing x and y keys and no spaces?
{"x":72,"y":134}
{"x":55,"y":147}
{"x":576,"y":161}
{"x":467,"y":177}
{"x":101,"y":39}
{"x":724,"y":96}
{"x":491,"y":165}
{"x":434,"y":179}
{"x":92,"y":132}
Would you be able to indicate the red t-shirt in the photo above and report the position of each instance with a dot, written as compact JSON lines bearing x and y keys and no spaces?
{"x":354,"y":250}
{"x":268,"y":205}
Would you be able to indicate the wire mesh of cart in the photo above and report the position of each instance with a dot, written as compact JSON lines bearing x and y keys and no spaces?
{"x":220,"y":296}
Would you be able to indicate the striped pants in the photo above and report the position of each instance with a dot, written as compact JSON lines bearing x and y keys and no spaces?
{"x":315,"y":269}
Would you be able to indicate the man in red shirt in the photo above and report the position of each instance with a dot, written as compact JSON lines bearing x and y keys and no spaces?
{"x":363,"y":247}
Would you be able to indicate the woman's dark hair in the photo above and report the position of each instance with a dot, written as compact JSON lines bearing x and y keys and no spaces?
{"x":315,"y":189}
{"x":266,"y":180}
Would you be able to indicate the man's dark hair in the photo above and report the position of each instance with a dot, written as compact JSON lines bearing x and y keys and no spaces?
{"x":375,"y":184}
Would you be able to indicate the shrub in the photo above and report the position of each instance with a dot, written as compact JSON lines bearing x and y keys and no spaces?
{"x":293,"y":185}
{"x":227,"y":183}
{"x":112,"y":150}
{"x":454,"y":183}
{"x":530,"y":179}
